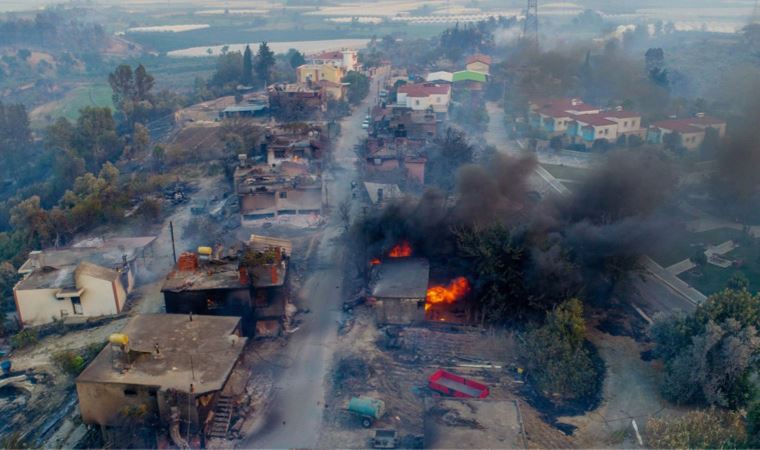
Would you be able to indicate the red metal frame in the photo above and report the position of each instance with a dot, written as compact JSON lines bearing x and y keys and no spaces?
{"x":434,"y":383}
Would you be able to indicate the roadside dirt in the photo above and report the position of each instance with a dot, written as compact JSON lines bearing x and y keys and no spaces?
{"x":630,"y":391}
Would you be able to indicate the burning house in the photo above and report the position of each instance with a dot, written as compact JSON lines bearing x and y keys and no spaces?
{"x":398,"y":288}
{"x":249,"y":282}
{"x":90,"y":279}
{"x":165,"y":371}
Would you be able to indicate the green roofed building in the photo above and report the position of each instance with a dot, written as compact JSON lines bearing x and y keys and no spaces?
{"x":469,"y":75}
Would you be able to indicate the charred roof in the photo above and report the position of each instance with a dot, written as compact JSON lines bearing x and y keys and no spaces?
{"x":400,"y":278}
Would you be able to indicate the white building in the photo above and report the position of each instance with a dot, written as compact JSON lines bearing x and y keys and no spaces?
{"x":346,"y":59}
{"x":420,"y":97}
{"x":88,"y":280}
{"x":86,"y":290}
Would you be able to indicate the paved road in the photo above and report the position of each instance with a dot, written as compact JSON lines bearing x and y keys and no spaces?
{"x":656,"y":289}
{"x":295,"y":416}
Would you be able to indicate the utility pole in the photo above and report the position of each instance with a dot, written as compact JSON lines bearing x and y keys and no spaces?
{"x":530,"y":26}
{"x":171,"y":232}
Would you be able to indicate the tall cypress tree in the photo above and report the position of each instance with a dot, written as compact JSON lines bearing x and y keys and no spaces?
{"x":247,"y":78}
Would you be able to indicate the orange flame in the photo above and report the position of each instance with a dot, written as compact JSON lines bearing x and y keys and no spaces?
{"x":457,"y":288}
{"x":401,"y":250}
{"x":374,"y":261}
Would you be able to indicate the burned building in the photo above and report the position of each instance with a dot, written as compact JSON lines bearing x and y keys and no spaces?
{"x":91,"y":278}
{"x":249,"y":282}
{"x":398,"y":288}
{"x":396,"y":121}
{"x":298,"y":99}
{"x":406,"y":158}
{"x":164,"y":371}
{"x":267,"y":192}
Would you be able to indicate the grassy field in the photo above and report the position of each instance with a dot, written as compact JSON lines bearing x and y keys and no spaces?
{"x":71,"y":103}
{"x":710,"y":279}
{"x":681,"y":244}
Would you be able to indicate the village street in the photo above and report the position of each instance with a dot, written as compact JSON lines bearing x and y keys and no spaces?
{"x":295,"y":416}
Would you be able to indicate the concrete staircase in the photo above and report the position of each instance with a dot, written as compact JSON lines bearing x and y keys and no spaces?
{"x":222,"y":417}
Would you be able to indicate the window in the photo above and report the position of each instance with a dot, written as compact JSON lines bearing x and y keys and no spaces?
{"x":130,"y":392}
{"x":279,"y":153}
{"x":625,"y":124}
{"x":417,"y":102}
{"x":76,"y":302}
{"x":283,"y":194}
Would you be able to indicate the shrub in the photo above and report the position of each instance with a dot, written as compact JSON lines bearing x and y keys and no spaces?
{"x":697,"y":429}
{"x":73,"y":362}
{"x":557,"y":358}
{"x":24,"y":338}
{"x":68,"y":361}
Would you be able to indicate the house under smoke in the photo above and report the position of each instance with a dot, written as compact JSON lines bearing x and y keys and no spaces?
{"x":398,"y":287}
{"x":162,"y":370}
{"x":250,"y":282}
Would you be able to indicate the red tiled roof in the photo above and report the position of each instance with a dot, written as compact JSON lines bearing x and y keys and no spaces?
{"x":706,"y":121}
{"x":423,"y":90}
{"x":679,"y":125}
{"x":622,"y":114}
{"x":485,"y":59}
{"x":596,"y":120}
{"x":554,"y":112}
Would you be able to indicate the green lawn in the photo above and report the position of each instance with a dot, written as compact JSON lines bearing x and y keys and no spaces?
{"x":71,"y":103}
{"x":80,"y":97}
{"x":710,"y":279}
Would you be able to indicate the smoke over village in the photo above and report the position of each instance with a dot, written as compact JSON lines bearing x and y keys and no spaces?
{"x":345,"y":224}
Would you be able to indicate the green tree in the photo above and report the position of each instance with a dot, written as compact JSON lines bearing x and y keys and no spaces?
{"x":95,"y":138}
{"x":264,"y":63}
{"x":358,"y":87}
{"x":447,"y":154}
{"x":140,"y":140}
{"x":229,"y":70}
{"x":556,"y":359}
{"x":247,"y":78}
{"x":295,"y":58}
{"x":15,"y":135}
{"x":710,"y":354}
{"x":122,"y":84}
{"x":33,"y":222}
{"x":144,"y":82}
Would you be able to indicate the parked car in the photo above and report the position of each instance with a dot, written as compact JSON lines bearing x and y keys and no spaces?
{"x":365,"y":124}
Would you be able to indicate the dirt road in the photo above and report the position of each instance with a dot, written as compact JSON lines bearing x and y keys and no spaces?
{"x":294,"y":417}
